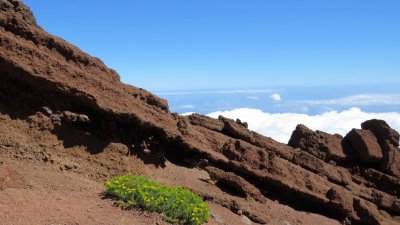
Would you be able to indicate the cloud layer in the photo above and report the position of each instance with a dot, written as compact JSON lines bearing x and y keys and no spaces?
{"x":280,"y":126}
{"x":360,"y":100}
{"x":275,"y":97}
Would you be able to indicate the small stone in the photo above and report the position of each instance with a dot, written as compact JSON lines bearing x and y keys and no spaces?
{"x":82,"y":118}
{"x":216,"y":217}
{"x":47,"y":111}
{"x":68,"y":167}
{"x":246,"y":220}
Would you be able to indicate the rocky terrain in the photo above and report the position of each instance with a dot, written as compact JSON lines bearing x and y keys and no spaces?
{"x":67,"y":123}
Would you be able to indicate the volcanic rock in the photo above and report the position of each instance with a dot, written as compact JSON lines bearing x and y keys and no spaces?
{"x":316,"y":165}
{"x":237,"y":183}
{"x":341,"y":200}
{"x":19,"y":9}
{"x":320,"y":144}
{"x":382,"y":181}
{"x":71,"y":117}
{"x":236,"y":130}
{"x":382,"y":131}
{"x":391,"y":158}
{"x":60,"y":106}
{"x":206,"y":122}
{"x":366,"y":145}
{"x":388,"y":139}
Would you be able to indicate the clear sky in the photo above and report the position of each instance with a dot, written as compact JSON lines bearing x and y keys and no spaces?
{"x":186,"y":44}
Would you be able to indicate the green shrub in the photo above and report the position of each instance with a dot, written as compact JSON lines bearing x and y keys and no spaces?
{"x":177,"y":204}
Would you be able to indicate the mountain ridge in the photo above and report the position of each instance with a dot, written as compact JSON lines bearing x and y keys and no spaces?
{"x":99,"y":127}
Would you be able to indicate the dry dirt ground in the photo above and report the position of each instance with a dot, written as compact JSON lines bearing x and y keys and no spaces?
{"x":32,"y":194}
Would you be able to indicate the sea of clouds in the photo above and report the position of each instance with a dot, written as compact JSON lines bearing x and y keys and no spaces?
{"x":280,"y":126}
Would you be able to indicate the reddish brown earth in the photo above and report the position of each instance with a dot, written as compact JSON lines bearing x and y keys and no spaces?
{"x":67,"y":124}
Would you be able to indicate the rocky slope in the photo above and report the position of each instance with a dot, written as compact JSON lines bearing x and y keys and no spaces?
{"x":65,"y":111}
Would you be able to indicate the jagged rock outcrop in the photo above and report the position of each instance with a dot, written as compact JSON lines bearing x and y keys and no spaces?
{"x":369,"y":146}
{"x":391,"y":158}
{"x":388,"y":139}
{"x":43,"y":78}
{"x":235,"y":183}
{"x":20,"y":9}
{"x":320,"y":144}
{"x":382,"y":131}
{"x":366,"y":145}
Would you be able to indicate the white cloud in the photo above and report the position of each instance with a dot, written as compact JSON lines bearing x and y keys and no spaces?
{"x":246,"y":91}
{"x":187,"y":113}
{"x":360,"y":100}
{"x":280,"y":126}
{"x":275,"y":97}
{"x":252,"y":97}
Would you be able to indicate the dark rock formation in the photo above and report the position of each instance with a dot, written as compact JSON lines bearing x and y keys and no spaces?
{"x":382,"y":131}
{"x":20,"y":9}
{"x":206,"y":122}
{"x":391,"y":158}
{"x":366,"y":145}
{"x":388,"y":139}
{"x":236,"y":130}
{"x":316,"y":173}
{"x":381,"y":188}
{"x":320,"y":144}
{"x":235,"y":183}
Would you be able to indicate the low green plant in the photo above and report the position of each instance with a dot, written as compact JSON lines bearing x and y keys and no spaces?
{"x":175,"y":203}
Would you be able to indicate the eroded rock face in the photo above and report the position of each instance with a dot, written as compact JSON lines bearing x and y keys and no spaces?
{"x":320,"y":144}
{"x":365,"y":144}
{"x":206,"y":122}
{"x":388,"y":140}
{"x":236,"y":130}
{"x":81,"y":101}
{"x":381,"y":188}
{"x":382,"y":131}
{"x":391,"y":158}
{"x":20,"y":9}
{"x":236,"y":183}
{"x":341,"y":200}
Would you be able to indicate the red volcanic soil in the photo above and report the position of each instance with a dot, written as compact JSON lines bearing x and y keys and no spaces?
{"x":67,"y":123}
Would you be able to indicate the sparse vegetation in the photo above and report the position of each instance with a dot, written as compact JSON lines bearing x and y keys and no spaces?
{"x":175,"y":203}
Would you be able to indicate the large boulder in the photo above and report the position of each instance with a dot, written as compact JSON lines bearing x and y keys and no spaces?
{"x":236,"y":129}
{"x":388,"y":140}
{"x":391,"y":159}
{"x":206,"y":122}
{"x":382,"y":131}
{"x":365,"y":144}
{"x":320,"y":144}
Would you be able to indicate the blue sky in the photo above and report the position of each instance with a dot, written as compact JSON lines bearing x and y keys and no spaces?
{"x":209,"y":44}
